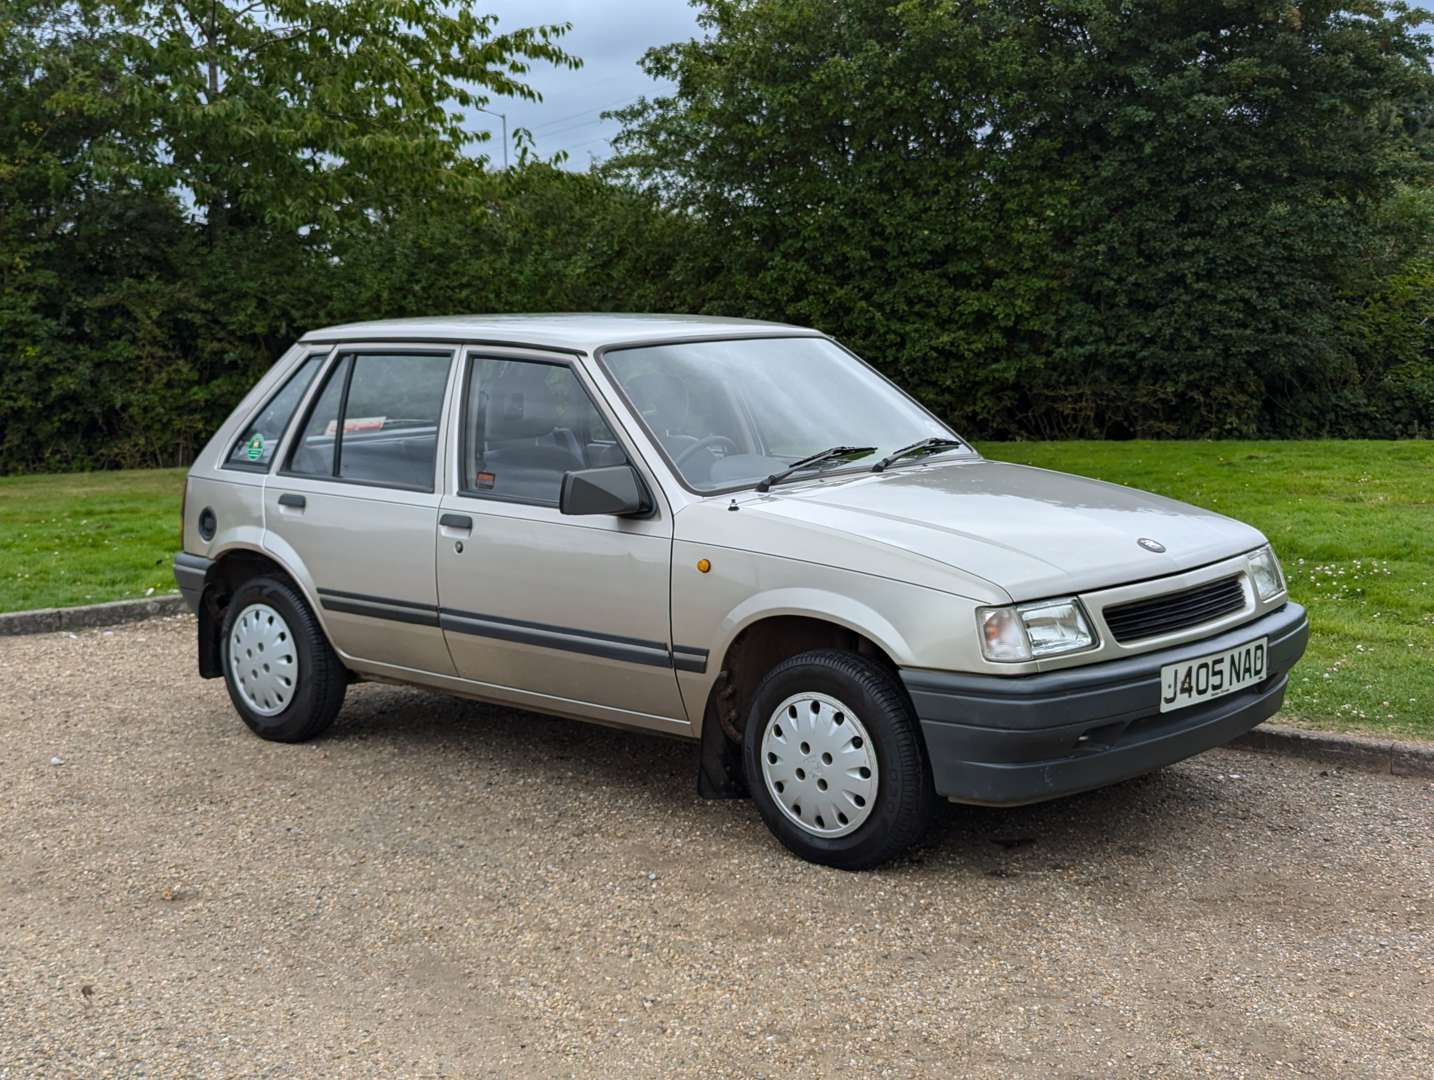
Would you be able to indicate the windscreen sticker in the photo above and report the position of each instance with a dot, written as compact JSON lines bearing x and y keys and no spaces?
{"x":255,"y":450}
{"x":486,"y":480}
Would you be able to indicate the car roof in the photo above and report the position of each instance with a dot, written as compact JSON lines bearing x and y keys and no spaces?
{"x":567,"y":332}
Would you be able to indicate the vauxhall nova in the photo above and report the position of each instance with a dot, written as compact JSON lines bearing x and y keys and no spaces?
{"x":729,"y":531}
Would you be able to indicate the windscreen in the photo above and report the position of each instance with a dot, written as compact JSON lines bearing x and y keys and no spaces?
{"x":730,"y":413}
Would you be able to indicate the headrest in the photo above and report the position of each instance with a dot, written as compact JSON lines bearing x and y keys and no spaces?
{"x":520,"y":404}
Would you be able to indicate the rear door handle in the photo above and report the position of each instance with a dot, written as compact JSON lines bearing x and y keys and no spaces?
{"x":298,"y":502}
{"x":456,"y":521}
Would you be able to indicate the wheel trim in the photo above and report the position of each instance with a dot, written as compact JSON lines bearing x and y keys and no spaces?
{"x":263,"y":660}
{"x":819,"y":765}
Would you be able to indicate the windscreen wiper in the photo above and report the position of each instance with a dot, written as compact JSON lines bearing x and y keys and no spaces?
{"x":933,"y":445}
{"x":831,"y":453}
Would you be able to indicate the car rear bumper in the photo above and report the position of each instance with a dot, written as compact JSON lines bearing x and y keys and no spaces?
{"x":189,"y":573}
{"x":1006,"y":741}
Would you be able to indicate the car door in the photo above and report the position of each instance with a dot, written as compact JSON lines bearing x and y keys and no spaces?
{"x":573,"y":608}
{"x":355,"y":504}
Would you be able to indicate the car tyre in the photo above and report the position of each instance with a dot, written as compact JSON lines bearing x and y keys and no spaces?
{"x":836,"y":731}
{"x":283,"y":676}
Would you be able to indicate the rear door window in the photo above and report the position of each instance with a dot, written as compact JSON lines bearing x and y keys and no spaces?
{"x":254,"y":450}
{"x":313,"y":453}
{"x":376,"y":421}
{"x":390,"y":432}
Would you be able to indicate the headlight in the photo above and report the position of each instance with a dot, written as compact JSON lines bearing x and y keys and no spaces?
{"x":1266,"y":574}
{"x":1031,"y":631}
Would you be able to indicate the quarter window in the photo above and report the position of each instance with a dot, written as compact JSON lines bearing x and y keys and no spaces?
{"x":376,"y":421}
{"x":526,"y":423}
{"x":254,"y":449}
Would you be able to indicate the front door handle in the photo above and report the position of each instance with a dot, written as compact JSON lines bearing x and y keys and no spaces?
{"x":298,"y":502}
{"x":456,"y":521}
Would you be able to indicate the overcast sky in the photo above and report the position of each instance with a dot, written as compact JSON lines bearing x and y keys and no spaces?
{"x":610,"y":36}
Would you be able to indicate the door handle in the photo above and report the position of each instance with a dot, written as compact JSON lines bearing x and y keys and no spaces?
{"x":298,"y":502}
{"x":456,"y":521}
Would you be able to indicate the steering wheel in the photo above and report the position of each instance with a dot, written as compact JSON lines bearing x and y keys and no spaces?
{"x":705,"y":444}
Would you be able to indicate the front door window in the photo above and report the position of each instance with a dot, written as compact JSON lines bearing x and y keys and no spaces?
{"x":527,"y":424}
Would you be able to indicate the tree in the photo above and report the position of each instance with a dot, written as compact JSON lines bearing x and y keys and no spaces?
{"x":79,"y":254}
{"x":176,"y":180}
{"x":536,"y":238}
{"x":1053,"y":217}
{"x":1390,"y":331}
{"x":302,"y":113}
{"x":840,"y":153}
{"x":1231,"y":160}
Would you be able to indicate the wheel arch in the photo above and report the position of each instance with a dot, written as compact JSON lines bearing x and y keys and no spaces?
{"x":769,"y":634}
{"x":230,"y":569}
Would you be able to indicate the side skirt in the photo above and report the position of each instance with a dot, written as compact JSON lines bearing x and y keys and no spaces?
{"x":512,"y":697}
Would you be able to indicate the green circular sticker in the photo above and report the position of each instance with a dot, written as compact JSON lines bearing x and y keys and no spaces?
{"x":255,"y":449}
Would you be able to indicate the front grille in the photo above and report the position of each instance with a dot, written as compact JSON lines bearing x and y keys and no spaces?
{"x":1174,"y":611}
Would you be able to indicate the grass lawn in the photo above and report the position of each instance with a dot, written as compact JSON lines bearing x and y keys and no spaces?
{"x":82,"y":538}
{"x":1353,"y":523}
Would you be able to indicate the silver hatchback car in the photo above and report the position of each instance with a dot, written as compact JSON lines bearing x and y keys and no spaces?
{"x":730,"y":531}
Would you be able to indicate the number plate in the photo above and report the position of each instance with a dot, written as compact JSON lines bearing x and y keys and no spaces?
{"x":1212,"y":676}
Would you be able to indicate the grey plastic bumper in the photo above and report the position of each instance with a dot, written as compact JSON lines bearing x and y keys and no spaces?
{"x":1007,"y":741}
{"x":189,"y":572}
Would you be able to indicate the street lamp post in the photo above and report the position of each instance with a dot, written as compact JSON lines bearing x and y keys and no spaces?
{"x":503,"y":117}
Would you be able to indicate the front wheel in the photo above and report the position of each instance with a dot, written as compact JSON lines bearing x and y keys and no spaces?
{"x":285,"y":680}
{"x":835,"y":761}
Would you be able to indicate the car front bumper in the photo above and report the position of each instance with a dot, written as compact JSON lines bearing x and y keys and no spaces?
{"x":998,"y":741}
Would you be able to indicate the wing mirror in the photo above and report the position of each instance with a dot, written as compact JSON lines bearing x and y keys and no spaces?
{"x":616,"y":489}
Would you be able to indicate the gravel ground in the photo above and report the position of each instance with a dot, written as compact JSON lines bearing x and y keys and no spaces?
{"x":444,"y":888}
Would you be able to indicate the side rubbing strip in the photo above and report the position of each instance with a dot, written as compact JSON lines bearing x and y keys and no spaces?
{"x":379,"y":607}
{"x":686,"y":658}
{"x":373,"y":611}
{"x":632,"y":650}
{"x":568,"y":639}
{"x":367,"y":599}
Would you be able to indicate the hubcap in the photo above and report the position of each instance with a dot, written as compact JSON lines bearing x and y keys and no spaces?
{"x":263,"y":659}
{"x":819,"y":765}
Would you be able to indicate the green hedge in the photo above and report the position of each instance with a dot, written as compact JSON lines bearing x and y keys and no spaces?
{"x":1072,"y":218}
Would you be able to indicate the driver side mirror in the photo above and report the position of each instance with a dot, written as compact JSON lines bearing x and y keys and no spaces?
{"x":616,"y":489}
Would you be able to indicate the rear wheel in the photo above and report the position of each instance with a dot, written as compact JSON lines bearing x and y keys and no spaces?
{"x":835,"y":760}
{"x":285,"y":680}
